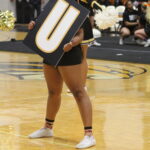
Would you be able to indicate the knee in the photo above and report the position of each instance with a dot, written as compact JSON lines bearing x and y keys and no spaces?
{"x":126,"y":33}
{"x":123,"y":33}
{"x":54,"y":93}
{"x":78,"y":94}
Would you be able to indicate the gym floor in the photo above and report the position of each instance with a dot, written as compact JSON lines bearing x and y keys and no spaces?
{"x":119,"y":91}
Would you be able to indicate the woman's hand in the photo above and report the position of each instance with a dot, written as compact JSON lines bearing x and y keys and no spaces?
{"x":31,"y":25}
{"x":68,"y":47}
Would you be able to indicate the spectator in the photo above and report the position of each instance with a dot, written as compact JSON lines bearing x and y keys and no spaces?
{"x":147,"y":26}
{"x":144,"y":33}
{"x":140,"y":34}
{"x":36,"y":4}
{"x":130,"y":22}
{"x":23,"y":11}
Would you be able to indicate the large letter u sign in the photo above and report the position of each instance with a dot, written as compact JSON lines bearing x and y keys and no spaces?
{"x":56,"y":26}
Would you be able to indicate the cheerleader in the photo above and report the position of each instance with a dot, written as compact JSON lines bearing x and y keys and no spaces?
{"x":147,"y":27}
{"x":130,"y":22}
{"x":68,"y":70}
{"x":36,"y":5}
{"x":144,"y":33}
{"x":88,"y":37}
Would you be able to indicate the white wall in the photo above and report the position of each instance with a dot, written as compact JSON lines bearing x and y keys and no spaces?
{"x":8,"y":5}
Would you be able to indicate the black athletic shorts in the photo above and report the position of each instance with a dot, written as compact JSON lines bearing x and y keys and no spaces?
{"x":73,"y":57}
{"x":131,"y":29}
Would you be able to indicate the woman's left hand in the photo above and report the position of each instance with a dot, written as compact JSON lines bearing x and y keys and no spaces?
{"x":68,"y":47}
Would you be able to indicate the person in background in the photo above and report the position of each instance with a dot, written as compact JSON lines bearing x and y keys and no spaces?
{"x":23,"y":11}
{"x":88,"y":39}
{"x":91,"y":17}
{"x":139,"y":34}
{"x":144,"y":33}
{"x":130,"y":22}
{"x":36,"y":5}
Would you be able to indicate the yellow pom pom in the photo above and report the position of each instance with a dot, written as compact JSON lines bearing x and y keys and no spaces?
{"x":7,"y":20}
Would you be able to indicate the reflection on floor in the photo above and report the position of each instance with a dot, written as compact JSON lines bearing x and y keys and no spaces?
{"x":7,"y":36}
{"x":119,"y":93}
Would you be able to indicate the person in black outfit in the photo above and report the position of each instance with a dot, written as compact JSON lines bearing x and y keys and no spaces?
{"x":23,"y":11}
{"x":69,"y":71}
{"x":130,"y":22}
{"x":88,"y":38}
{"x":20,"y":15}
{"x":36,"y":5}
{"x":144,"y":32}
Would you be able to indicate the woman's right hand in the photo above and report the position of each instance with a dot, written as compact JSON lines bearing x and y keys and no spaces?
{"x":31,"y":25}
{"x":68,"y":47}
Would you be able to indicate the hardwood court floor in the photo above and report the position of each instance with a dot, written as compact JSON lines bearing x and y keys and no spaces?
{"x":6,"y":36}
{"x":120,"y":94}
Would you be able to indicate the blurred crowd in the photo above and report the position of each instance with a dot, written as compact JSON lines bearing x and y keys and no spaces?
{"x":120,"y":2}
{"x":135,"y":17}
{"x":136,"y":22}
{"x":27,"y":10}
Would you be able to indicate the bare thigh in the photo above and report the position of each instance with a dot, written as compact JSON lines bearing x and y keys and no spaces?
{"x":125,"y":31}
{"x":141,"y":32}
{"x":73,"y":78}
{"x":72,"y":75}
{"x":53,"y":79}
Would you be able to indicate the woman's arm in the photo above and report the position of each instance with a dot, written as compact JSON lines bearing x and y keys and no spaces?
{"x":31,"y":25}
{"x":127,"y":23}
{"x":75,"y":41}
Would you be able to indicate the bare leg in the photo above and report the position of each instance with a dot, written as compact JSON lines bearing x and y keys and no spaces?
{"x":72,"y":76}
{"x":84,"y":65}
{"x":54,"y":84}
{"x":125,"y":32}
{"x":140,"y":34}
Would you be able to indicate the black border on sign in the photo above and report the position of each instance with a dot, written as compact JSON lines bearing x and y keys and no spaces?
{"x":54,"y":57}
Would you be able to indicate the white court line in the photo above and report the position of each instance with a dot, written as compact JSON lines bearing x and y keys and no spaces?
{"x":40,"y":139}
{"x":117,"y":49}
